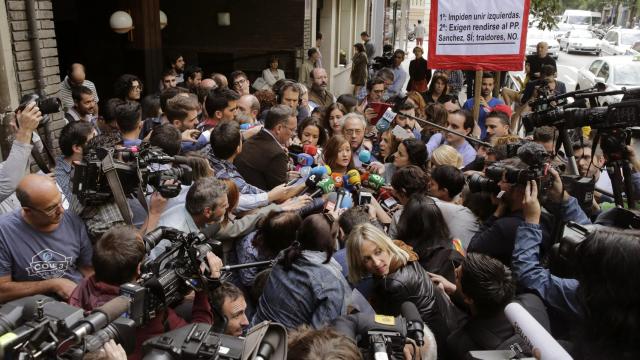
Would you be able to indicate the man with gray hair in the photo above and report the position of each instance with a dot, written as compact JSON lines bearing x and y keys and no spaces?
{"x":263,"y":161}
{"x":250,"y":106}
{"x":206,"y":203}
{"x":353,"y":130}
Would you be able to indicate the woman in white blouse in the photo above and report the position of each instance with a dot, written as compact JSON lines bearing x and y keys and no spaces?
{"x":272,"y":74}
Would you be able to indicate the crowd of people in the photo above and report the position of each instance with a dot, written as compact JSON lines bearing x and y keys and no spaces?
{"x":394,"y":215}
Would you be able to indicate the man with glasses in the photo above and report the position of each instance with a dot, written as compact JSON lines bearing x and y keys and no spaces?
{"x":353,"y":130}
{"x":43,"y":248}
{"x":241,"y":83}
{"x":263,"y":161}
{"x":399,"y":74}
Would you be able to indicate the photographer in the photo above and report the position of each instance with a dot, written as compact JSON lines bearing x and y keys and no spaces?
{"x":486,"y":286}
{"x":602,"y":296}
{"x":497,"y":234}
{"x":117,"y":257}
{"x":526,"y":253}
{"x":16,"y":165}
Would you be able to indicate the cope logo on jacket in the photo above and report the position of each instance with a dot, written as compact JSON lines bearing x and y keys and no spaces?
{"x":48,"y":264}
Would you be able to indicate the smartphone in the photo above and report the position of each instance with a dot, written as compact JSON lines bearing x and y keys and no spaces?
{"x":364,"y":198}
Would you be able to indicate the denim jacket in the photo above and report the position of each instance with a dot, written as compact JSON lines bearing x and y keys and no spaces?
{"x":310,"y":293}
{"x":558,"y":293}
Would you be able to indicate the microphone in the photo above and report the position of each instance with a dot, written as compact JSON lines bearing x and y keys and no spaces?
{"x":102,"y":316}
{"x":375,"y":181}
{"x":310,"y":149}
{"x":340,"y":197}
{"x":365,"y":157}
{"x":532,"y":153}
{"x":337,"y":179}
{"x":385,"y":121}
{"x":321,"y":170}
{"x":268,"y":346}
{"x":312,"y":182}
{"x":415,"y":326}
{"x":347,"y":202}
{"x":323,"y":186}
{"x":534,"y":334}
{"x":304,"y":159}
{"x":353,"y":178}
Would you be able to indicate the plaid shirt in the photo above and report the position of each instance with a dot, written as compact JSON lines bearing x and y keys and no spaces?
{"x":226,"y":170}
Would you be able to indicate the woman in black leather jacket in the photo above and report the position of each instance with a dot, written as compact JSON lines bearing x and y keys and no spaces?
{"x":398,"y":276}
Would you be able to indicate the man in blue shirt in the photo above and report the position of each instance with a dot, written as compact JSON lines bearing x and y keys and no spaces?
{"x":43,"y":248}
{"x":461,"y":122}
{"x":487,"y":102}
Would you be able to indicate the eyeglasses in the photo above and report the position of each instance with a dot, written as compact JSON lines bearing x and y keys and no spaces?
{"x":136,"y":87}
{"x":353,"y":131}
{"x":239,"y":82}
{"x":50,"y":211}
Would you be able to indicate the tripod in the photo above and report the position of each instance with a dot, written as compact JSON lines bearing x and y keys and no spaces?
{"x":613,"y":143}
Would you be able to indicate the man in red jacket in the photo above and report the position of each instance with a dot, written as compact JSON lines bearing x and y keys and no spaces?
{"x":117,"y":257}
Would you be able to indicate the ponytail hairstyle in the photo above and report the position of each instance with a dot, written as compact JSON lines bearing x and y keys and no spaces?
{"x":318,"y":232}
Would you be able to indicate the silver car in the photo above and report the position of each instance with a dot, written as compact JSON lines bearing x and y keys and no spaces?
{"x":580,"y":41}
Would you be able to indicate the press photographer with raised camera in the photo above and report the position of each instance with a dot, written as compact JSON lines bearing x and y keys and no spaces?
{"x":117,"y":258}
{"x":599,"y":302}
{"x":17,"y":163}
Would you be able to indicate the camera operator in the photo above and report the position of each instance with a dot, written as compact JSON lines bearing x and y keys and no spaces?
{"x":546,"y":85}
{"x":230,"y":301}
{"x":117,"y":258}
{"x":17,"y":164}
{"x":497,"y":235}
{"x":129,"y":120}
{"x":73,"y":138}
{"x":43,"y":248}
{"x":486,"y":286}
{"x":601,"y":296}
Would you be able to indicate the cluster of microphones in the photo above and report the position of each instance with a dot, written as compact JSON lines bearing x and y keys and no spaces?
{"x":343,"y":189}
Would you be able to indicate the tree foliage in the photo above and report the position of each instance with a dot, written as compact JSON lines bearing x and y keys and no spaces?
{"x":544,"y":10}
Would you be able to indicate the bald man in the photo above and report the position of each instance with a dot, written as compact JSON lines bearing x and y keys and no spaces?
{"x":43,"y":249}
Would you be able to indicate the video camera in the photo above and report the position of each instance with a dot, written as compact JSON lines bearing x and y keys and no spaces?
{"x":380,"y":336}
{"x":166,"y":279}
{"x":198,"y":341}
{"x":384,"y":61}
{"x":38,"y":327}
{"x":94,"y":183}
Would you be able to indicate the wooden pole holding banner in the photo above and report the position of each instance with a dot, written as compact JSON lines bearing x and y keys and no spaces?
{"x":477,"y":92}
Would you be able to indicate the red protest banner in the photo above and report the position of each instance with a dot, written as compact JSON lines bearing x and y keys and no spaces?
{"x":468,"y":35}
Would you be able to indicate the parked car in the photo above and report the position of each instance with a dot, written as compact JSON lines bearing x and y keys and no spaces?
{"x":534,"y":36}
{"x":580,"y":40}
{"x":615,"y":72}
{"x":619,"y":41}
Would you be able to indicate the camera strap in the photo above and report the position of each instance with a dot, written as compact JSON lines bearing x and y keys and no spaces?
{"x":109,"y":169}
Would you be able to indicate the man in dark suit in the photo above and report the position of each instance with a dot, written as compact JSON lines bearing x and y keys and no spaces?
{"x":263,"y":161}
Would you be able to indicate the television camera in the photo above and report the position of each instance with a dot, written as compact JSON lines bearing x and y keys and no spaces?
{"x":105,"y":172}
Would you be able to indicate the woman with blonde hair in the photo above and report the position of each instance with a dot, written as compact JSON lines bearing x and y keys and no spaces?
{"x":446,"y":155}
{"x":398,"y":277}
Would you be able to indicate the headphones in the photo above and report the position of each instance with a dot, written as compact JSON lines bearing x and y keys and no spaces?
{"x":287,"y":84}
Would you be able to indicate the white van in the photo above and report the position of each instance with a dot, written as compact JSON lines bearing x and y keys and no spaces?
{"x":578,"y":19}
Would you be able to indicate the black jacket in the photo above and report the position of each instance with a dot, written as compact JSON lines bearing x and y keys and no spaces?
{"x":495,"y":332}
{"x":412,"y":283}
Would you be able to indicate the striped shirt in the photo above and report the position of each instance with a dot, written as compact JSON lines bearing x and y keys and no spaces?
{"x":65,"y":92}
